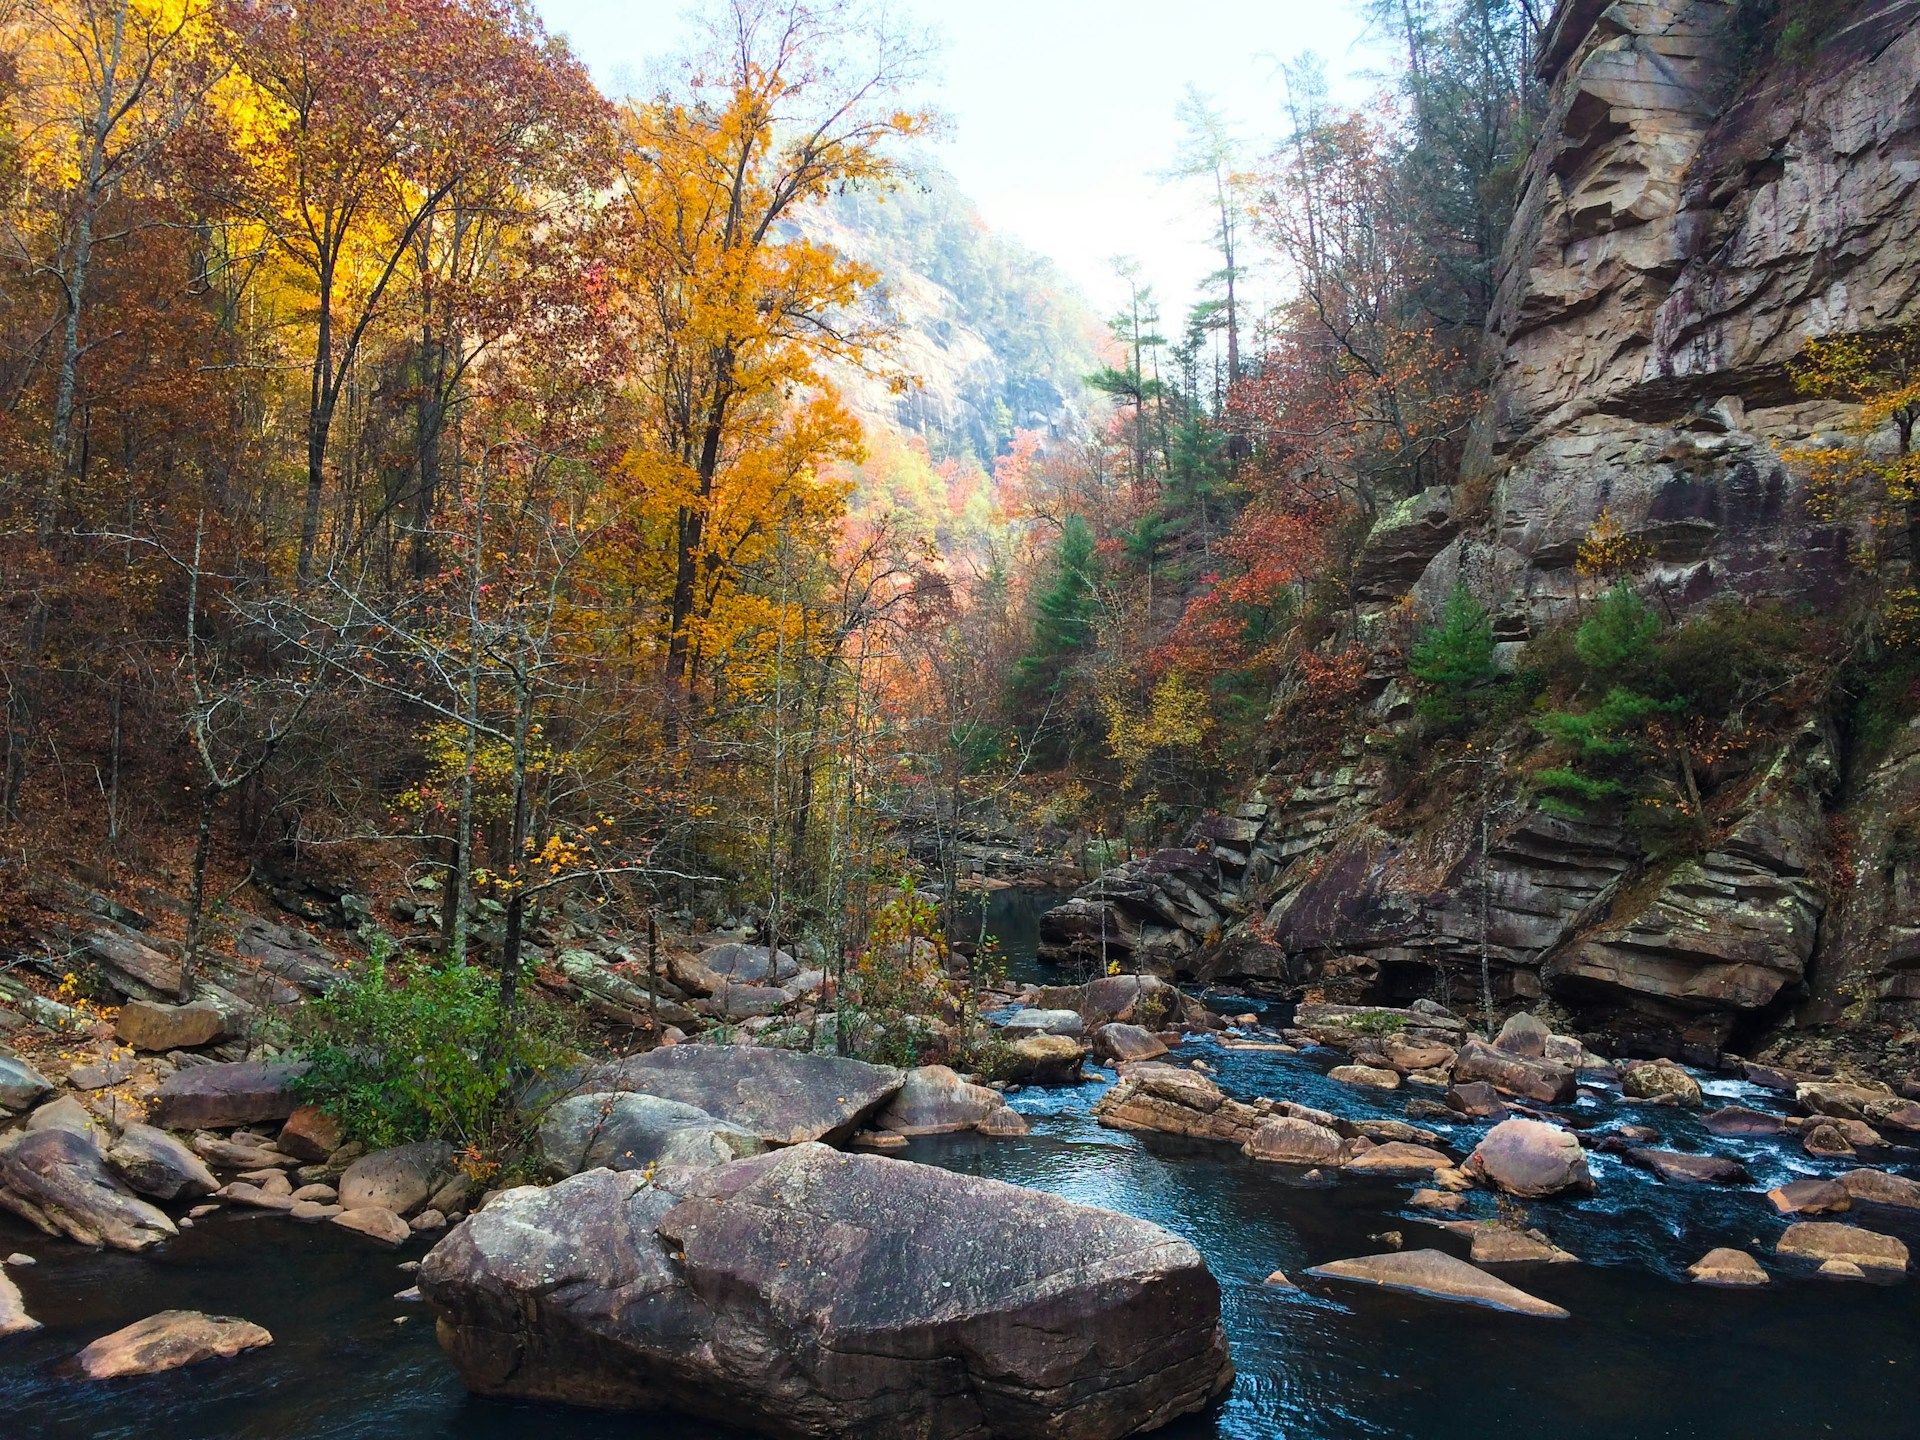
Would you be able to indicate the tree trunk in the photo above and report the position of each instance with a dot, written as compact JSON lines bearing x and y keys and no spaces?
{"x":197,"y":896}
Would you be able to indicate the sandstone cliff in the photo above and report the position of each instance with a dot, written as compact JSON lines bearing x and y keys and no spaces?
{"x":1688,"y":219}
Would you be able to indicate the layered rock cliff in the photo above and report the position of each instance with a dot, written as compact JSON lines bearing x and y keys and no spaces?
{"x":1689,"y":218}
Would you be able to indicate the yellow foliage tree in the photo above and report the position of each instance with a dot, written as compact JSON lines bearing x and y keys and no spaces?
{"x":1858,"y":479}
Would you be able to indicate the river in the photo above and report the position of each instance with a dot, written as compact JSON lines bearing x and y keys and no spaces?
{"x":1645,"y":1356}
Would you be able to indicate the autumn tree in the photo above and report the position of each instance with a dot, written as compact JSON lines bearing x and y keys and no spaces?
{"x":1862,"y":479}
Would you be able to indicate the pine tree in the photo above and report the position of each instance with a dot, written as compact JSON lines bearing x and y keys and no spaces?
{"x":1065,"y":615}
{"x":1454,"y":658}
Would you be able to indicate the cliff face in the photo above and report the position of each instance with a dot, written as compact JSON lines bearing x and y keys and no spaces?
{"x":1687,"y":221}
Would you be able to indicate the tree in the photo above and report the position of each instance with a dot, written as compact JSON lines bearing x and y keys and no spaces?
{"x":1453,"y":658}
{"x":1209,"y":153}
{"x":1066,"y":615}
{"x":1134,"y":330}
{"x":1879,"y":375}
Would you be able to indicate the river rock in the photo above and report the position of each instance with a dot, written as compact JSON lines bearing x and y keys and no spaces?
{"x":1537,"y":1080}
{"x":237,"y":1154}
{"x":1288,"y":1140}
{"x":1530,"y":1158}
{"x":1045,"y":1060}
{"x":1476,"y":1099}
{"x":309,"y":1134}
{"x":256,"y":1196}
{"x":934,"y":1100}
{"x":1045,"y":1022}
{"x":59,"y":1182}
{"x":1122,"y":1044}
{"x":1525,"y":1035}
{"x":1868,"y":1104}
{"x":154,"y":1163}
{"x":21,"y":1086}
{"x":783,"y":1096}
{"x":1661,"y":1081}
{"x":1679,"y":1168}
{"x":14,"y":1319}
{"x":1810,"y":1196}
{"x":1439,"y":1276}
{"x":1877,"y":1187}
{"x":1826,"y":1141}
{"x":221,"y":1096}
{"x":1824,"y":1240}
{"x":1175,"y":1101}
{"x":152,"y":1026}
{"x":1495,"y":1243}
{"x":376,"y":1222}
{"x":632,"y":1132}
{"x":399,"y":1179}
{"x":167,"y":1341}
{"x":1415,"y":1057}
{"x":1398,"y":1158}
{"x":808,"y":1293}
{"x":1368,"y":1076}
{"x":70,"y":1115}
{"x":1733,"y":1268}
{"x":1739,"y":1120}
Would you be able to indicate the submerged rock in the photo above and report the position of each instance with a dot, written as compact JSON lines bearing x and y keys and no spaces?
{"x":809,"y":1293}
{"x":1440,"y":1276}
{"x":59,"y":1182}
{"x":1683,"y":1169}
{"x":167,"y":1341}
{"x":783,"y":1096}
{"x":1530,"y":1158}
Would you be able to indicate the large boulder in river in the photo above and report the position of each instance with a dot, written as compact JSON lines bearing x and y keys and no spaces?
{"x":1127,"y":1044}
{"x":1661,"y":1081}
{"x":1537,"y":1080}
{"x":783,"y":1096}
{"x":1823,"y":1241}
{"x":631,"y":1132}
{"x":1045,"y":1022}
{"x":1530,"y":1158}
{"x":220,"y":1097}
{"x":1290,"y":1140}
{"x":1175,"y":1101}
{"x":400,"y":1179}
{"x":809,"y":1293}
{"x":155,"y":1163}
{"x":1524,"y":1034}
{"x":59,"y":1182}
{"x":1045,"y":1060}
{"x":937,"y":1101}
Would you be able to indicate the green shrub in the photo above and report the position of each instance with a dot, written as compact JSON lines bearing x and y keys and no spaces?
{"x":1453,"y":659}
{"x":410,"y":1050}
{"x":1617,"y":639}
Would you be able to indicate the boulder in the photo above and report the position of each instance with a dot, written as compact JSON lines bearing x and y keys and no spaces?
{"x":1287,"y":1140}
{"x":1525,"y":1035}
{"x":1733,"y":1268}
{"x":1398,"y":1158}
{"x":59,"y":1182}
{"x":737,"y":1000}
{"x":1496,"y":1242}
{"x":1868,"y":1104}
{"x":809,"y":1293}
{"x":1821,"y":1241}
{"x":1045,"y":1022}
{"x":1877,"y":1187}
{"x":632,"y":1132}
{"x":21,"y":1086}
{"x":70,"y":1115}
{"x":1438,"y":1276}
{"x":373,"y":1221}
{"x":219,"y":1097}
{"x":239,"y":1155}
{"x":1174,"y":1101}
{"x":154,"y":1163}
{"x":933,"y":1100}
{"x":1045,"y":1060}
{"x":167,"y":1341}
{"x":14,"y":1319}
{"x":749,"y":964}
{"x":399,"y":1179}
{"x":1826,"y":1141}
{"x":1410,"y":1055}
{"x":1538,"y":1080}
{"x":1121,"y":1044}
{"x":1370,"y":1077}
{"x":151,"y":1026}
{"x":1679,"y":1168}
{"x":1661,"y":1081}
{"x":310,"y":1134}
{"x":783,"y":1096}
{"x":1739,"y":1120}
{"x":1810,"y":1196}
{"x":1476,"y":1099}
{"x":1530,"y":1158}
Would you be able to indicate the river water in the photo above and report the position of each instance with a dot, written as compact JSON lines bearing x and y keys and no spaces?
{"x":1645,"y":1356}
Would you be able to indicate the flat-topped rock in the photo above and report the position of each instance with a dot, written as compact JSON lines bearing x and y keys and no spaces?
{"x":1731,"y":1268}
{"x":1810,"y":1195}
{"x":1680,"y":1168}
{"x":221,"y":1096}
{"x":1045,"y":1022}
{"x":167,"y":1341}
{"x":1827,"y":1240}
{"x":1877,"y":1187}
{"x":155,"y":1027}
{"x":783,"y":1096}
{"x":1438,"y":1276}
{"x":810,"y":1293}
{"x":1541,"y":1081}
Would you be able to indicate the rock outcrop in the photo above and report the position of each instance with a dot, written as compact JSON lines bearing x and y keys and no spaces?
{"x":810,"y":1293}
{"x":783,"y":1097}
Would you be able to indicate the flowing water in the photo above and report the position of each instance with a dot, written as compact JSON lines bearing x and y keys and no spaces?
{"x":1645,"y":1356}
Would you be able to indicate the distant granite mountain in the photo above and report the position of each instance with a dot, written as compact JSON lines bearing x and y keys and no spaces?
{"x":996,"y":336}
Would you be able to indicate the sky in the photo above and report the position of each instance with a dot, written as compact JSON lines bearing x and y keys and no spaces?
{"x":1061,"y":113}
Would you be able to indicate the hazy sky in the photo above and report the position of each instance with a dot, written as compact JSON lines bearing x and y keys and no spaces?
{"x":1062,"y":111}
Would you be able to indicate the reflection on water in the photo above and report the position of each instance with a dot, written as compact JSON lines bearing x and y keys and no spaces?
{"x":1645,"y":1355}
